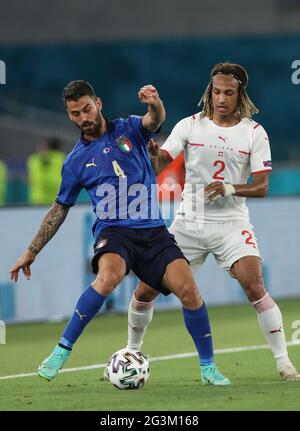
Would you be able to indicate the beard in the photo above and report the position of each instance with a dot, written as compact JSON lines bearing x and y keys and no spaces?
{"x":91,"y":128}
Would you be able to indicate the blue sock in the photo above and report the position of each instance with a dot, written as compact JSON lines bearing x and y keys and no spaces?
{"x":86,"y":308}
{"x":197,"y":323}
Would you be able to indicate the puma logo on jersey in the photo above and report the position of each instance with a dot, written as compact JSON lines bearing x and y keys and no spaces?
{"x":223,"y":139}
{"x":88,"y":165}
{"x":275,"y":330}
{"x":81,"y":316}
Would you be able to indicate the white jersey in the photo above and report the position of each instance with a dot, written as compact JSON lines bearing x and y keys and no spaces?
{"x":214,"y":153}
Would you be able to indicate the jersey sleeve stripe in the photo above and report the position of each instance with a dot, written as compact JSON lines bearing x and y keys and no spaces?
{"x":258,"y":172}
{"x":256,"y":125}
{"x":195,"y":145}
{"x":167,"y":153}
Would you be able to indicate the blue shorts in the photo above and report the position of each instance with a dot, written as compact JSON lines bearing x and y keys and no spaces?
{"x":147,"y":252}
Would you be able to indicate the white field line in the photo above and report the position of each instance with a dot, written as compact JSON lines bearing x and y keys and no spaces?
{"x":157,"y":358}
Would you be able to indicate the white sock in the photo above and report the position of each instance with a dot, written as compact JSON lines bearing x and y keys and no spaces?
{"x":139,"y":316}
{"x":270,"y":321}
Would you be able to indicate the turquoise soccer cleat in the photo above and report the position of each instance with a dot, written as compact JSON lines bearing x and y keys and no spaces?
{"x":210,"y":375}
{"x":50,"y":367}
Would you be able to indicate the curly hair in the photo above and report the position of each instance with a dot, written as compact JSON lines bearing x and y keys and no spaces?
{"x":245,"y":106}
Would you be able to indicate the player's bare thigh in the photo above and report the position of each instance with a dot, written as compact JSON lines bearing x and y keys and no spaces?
{"x":178,"y":278}
{"x":111,"y":271}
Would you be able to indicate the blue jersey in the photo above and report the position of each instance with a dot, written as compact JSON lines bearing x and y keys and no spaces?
{"x":116,"y":172}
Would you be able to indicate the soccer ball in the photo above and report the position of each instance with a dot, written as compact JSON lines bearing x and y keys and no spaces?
{"x":127,"y":369}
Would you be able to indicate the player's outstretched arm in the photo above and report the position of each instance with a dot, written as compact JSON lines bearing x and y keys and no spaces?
{"x":50,"y":225}
{"x":159,"y":159}
{"x":156,"y":112}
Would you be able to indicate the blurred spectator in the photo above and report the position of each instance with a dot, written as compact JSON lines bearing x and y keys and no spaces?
{"x":44,"y":172}
{"x":3,"y":182}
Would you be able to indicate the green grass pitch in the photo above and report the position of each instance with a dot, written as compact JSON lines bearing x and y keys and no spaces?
{"x":174,"y":384}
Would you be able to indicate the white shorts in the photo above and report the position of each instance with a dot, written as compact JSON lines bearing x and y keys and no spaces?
{"x":228,"y":242}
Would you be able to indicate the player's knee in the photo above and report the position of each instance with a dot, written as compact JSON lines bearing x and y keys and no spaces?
{"x":255,"y":286}
{"x":189,"y":295}
{"x":145,"y":293}
{"x":107,"y":280}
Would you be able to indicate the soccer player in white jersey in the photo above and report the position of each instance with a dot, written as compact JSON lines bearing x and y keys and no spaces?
{"x":222,"y":146}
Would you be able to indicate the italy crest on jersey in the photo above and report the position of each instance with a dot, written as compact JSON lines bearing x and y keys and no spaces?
{"x":124,"y":144}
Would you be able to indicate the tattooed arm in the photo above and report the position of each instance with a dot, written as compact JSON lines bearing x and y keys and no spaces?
{"x":50,"y":225}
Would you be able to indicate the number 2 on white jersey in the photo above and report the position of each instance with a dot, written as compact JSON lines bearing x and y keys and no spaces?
{"x":249,"y":238}
{"x":217,"y":175}
{"x":118,"y":170}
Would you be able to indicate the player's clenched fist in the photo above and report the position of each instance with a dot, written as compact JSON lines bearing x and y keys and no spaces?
{"x":214,"y":190}
{"x":217,"y":190}
{"x":148,"y":94}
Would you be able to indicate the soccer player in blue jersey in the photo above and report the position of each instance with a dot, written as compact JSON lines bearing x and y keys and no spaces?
{"x":111,"y":162}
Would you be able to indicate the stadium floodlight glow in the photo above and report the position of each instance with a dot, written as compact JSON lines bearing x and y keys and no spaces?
{"x":2,"y":72}
{"x":2,"y":332}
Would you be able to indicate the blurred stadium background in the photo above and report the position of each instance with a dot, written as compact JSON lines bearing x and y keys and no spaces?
{"x":118,"y":46}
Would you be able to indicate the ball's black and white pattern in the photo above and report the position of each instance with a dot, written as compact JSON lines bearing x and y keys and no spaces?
{"x":127,"y":369}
